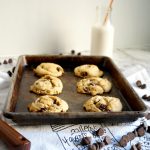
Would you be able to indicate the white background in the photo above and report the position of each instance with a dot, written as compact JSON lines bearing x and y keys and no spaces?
{"x":47,"y":26}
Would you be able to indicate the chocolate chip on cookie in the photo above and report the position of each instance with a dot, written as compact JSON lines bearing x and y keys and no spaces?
{"x":84,"y":74}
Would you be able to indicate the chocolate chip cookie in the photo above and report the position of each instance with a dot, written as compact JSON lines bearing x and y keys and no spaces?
{"x":47,"y":85}
{"x":49,"y":69}
{"x":88,"y":70}
{"x":93,"y":85}
{"x":102,"y":104}
{"x":48,"y":103}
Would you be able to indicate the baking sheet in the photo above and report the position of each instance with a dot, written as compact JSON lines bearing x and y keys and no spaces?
{"x":20,"y":96}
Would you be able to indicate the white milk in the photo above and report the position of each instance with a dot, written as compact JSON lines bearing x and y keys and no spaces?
{"x":102,"y":38}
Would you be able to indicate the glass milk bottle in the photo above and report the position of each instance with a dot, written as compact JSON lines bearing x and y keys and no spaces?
{"x":102,"y":38}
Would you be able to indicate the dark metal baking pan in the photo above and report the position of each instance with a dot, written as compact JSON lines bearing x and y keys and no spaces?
{"x":19,"y":95}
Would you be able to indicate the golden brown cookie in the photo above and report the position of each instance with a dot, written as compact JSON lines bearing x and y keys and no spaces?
{"x":93,"y":85}
{"x":47,"y":85}
{"x":49,"y":69}
{"x":103,"y":103}
{"x":48,"y":103}
{"x":88,"y":70}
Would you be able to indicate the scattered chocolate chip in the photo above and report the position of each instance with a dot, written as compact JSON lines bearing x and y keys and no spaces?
{"x":135,"y":133}
{"x":133,"y":147}
{"x":79,"y":54}
{"x":147,"y":116}
{"x":101,"y":144}
{"x":145,"y":96}
{"x":138,"y":83}
{"x":72,"y":52}
{"x":107,"y":140}
{"x":148,"y":130}
{"x":92,"y":147}
{"x":13,"y":69}
{"x":138,"y":146}
{"x":140,"y":131}
{"x":5,"y":62}
{"x":86,"y":140}
{"x":10,"y":60}
{"x":100,"y":132}
{"x":60,"y":54}
{"x":148,"y":98}
{"x":123,"y":142}
{"x":131,"y":136}
{"x":97,"y":146}
{"x":143,"y":86}
{"x":9,"y":73}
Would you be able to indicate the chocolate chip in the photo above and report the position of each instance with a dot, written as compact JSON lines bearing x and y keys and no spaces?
{"x":101,"y":144}
{"x":86,"y":140}
{"x":124,"y":140}
{"x":58,"y":69}
{"x":86,"y":89}
{"x":138,"y":83}
{"x":84,"y":74}
{"x":0,"y":63}
{"x":107,"y":140}
{"x":72,"y":52}
{"x":92,"y":147}
{"x":138,"y":146}
{"x":148,"y":98}
{"x":97,"y":146}
{"x":140,"y":131}
{"x":100,"y":132}
{"x":10,"y":60}
{"x":145,"y":96}
{"x":143,"y":86}
{"x":79,"y":54}
{"x":135,"y":133}
{"x":9,"y":73}
{"x":148,"y":130}
{"x":133,"y":147}
{"x":103,"y":107}
{"x":131,"y":136}
{"x":147,"y":116}
{"x":5,"y":62}
{"x":60,"y":54}
{"x":13,"y":69}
